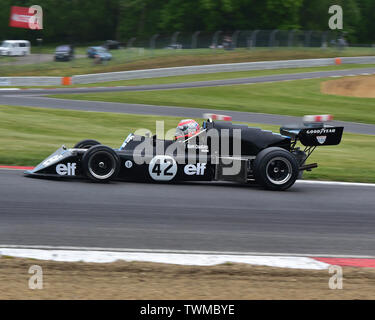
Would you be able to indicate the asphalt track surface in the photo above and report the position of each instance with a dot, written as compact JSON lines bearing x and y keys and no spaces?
{"x":33,"y":98}
{"x":307,"y":219}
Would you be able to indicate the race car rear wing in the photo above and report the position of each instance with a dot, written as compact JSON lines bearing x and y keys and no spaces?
{"x":327,"y":136}
{"x":314,"y":132}
{"x":315,"y":136}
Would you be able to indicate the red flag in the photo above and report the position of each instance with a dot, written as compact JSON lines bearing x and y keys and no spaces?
{"x":20,"y":17}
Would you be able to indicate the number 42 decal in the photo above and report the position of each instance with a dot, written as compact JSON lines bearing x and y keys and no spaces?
{"x":162,"y":168}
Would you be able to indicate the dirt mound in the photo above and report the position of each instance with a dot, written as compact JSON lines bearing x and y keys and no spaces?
{"x":361,"y":87}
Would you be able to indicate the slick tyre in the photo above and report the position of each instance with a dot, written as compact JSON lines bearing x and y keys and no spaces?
{"x":276,"y":169}
{"x":101,"y":164}
{"x":86,"y":144}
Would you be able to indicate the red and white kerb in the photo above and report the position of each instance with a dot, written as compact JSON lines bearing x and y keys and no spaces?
{"x":217,"y":117}
{"x":319,"y":118}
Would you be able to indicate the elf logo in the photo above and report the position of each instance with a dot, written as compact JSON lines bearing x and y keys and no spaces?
{"x":191,"y":169}
{"x":66,"y":170}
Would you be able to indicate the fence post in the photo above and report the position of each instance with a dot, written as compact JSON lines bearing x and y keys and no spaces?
{"x":291,"y":38}
{"x":174,"y":37}
{"x":324,"y":40}
{"x":152,"y":42}
{"x":215,"y":38}
{"x":235,"y":38}
{"x":272,"y":38}
{"x":130,"y":43}
{"x":194,"y":39}
{"x":253,"y":39}
{"x":308,"y":38}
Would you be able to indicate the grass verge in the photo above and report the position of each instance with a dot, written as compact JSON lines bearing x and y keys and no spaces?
{"x":210,"y":76}
{"x":296,"y":98}
{"x":138,"y":58}
{"x":29,"y":135}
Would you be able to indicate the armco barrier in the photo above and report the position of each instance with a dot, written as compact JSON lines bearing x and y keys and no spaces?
{"x":246,"y":66}
{"x":180,"y":71}
{"x":30,"y":81}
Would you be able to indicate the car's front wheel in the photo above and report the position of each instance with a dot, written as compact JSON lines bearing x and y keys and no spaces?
{"x":276,"y":169}
{"x":101,"y":163}
{"x":86,"y":144}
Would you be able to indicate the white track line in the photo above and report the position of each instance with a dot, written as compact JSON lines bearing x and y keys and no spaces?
{"x":198,"y":259}
{"x":337,"y":183}
{"x":129,"y":250}
{"x":177,"y":257}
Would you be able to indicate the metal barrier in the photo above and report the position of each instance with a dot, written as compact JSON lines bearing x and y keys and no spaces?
{"x":30,"y":81}
{"x":246,"y":66}
{"x":180,"y":71}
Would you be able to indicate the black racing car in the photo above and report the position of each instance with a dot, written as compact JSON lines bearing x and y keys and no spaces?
{"x":221,"y":151}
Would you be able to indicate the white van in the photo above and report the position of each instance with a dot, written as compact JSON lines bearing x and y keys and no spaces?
{"x":15,"y":48}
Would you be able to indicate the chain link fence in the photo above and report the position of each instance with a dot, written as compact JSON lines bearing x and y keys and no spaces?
{"x":186,"y":48}
{"x":239,"y":39}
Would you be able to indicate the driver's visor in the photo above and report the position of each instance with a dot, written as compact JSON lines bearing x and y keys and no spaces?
{"x":185,"y":136}
{"x":181,"y":134}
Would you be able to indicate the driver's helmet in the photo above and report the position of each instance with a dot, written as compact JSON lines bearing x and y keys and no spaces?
{"x":186,"y":129}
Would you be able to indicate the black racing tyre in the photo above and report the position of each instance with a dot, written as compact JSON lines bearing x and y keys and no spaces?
{"x":86,"y":144}
{"x":101,"y":163}
{"x":276,"y":169}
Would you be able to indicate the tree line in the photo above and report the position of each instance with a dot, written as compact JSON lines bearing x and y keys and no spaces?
{"x":92,"y":20}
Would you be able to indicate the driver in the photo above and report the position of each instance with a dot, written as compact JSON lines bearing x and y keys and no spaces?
{"x":186,"y":129}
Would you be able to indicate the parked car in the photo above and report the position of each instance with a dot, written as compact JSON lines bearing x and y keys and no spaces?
{"x":111,"y":45}
{"x":174,"y":46}
{"x":64,"y":53}
{"x":15,"y":48}
{"x":101,"y":52}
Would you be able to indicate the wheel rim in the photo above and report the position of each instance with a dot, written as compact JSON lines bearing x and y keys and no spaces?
{"x":102,"y":165}
{"x":279,"y":170}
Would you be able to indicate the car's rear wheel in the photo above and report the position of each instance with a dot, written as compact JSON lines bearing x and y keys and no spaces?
{"x":101,"y":163}
{"x":276,"y":169}
{"x":86,"y":144}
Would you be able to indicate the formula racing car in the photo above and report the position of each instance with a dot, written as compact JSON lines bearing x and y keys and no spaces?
{"x":215,"y":151}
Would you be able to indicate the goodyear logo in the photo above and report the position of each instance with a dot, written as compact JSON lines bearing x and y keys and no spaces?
{"x":321,"y":131}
